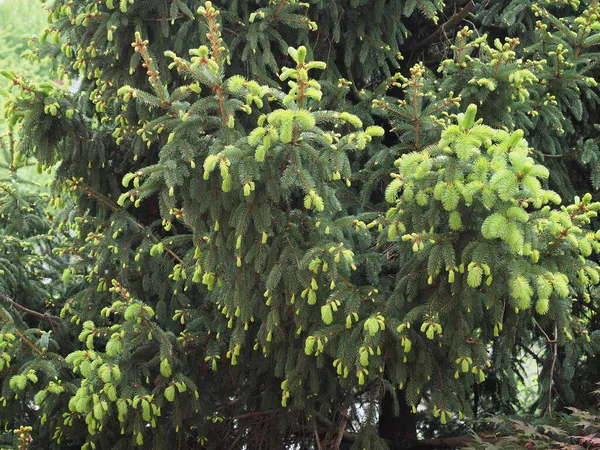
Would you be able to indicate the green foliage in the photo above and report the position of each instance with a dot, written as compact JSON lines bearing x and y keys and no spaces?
{"x":577,"y":430}
{"x":28,"y":297}
{"x":488,"y":242}
{"x":261,"y":236}
{"x":552,"y":85}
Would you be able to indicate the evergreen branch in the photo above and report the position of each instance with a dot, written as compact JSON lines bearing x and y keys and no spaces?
{"x":543,"y":332}
{"x":281,"y":3}
{"x":445,"y":28}
{"x":11,"y":150}
{"x":99,"y":198}
{"x":215,"y":41}
{"x":27,"y":310}
{"x":564,"y":155}
{"x":346,"y":282}
{"x":554,"y":21}
{"x":180,"y":15}
{"x":114,"y":208}
{"x":293,"y":20}
{"x":444,"y":104}
{"x":588,"y":20}
{"x":141,"y":46}
{"x":330,"y":333}
{"x":416,"y":122}
{"x":553,"y":245}
{"x":219,"y":92}
{"x":21,"y":335}
{"x":562,"y":235}
{"x":401,"y":114}
{"x":293,"y":251}
{"x":8,"y":192}
{"x":183,"y":65}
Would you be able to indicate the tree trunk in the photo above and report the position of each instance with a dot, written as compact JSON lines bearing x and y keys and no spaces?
{"x":398,"y":430}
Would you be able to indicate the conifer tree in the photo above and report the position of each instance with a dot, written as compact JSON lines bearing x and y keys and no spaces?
{"x":277,"y":233}
{"x":28,"y":295}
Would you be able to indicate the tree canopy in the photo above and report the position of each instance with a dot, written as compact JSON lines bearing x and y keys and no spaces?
{"x":278,"y":224}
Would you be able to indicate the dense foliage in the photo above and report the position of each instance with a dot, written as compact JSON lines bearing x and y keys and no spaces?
{"x":278,"y":223}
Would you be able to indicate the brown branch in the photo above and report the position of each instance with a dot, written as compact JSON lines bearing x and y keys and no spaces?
{"x":449,"y":25}
{"x":255,"y":414}
{"x":114,"y":208}
{"x":532,"y":354}
{"x":28,"y":311}
{"x":8,"y":192}
{"x":21,"y":335}
{"x":554,"y":356}
{"x":342,"y":427}
{"x":236,"y":441}
{"x":100,"y":199}
{"x":283,"y":2}
{"x":550,"y":341}
{"x":317,"y":439}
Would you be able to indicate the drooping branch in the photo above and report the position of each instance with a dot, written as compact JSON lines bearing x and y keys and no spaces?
{"x":532,"y":354}
{"x":28,"y":311}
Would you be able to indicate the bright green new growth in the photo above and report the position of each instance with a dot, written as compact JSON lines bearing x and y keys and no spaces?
{"x":499,"y":185}
{"x":489,"y":243}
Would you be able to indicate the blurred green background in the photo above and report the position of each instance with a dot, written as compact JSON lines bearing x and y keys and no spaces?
{"x":20,"y":18}
{"x":19,"y":21}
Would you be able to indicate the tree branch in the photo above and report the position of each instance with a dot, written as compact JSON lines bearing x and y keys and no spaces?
{"x":554,"y":357}
{"x":28,"y":311}
{"x":317,"y":439}
{"x":254,"y":414}
{"x":532,"y":354}
{"x":342,"y":427}
{"x":449,"y":25}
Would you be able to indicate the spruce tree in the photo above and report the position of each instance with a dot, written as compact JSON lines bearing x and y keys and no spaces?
{"x":271,"y":231}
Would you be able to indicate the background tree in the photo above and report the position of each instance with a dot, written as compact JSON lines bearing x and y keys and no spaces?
{"x":274,"y":239}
